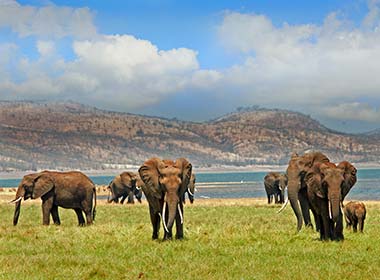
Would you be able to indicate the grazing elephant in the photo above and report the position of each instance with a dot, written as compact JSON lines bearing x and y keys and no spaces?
{"x":190,"y":190}
{"x":355,"y":213}
{"x":326,"y":189}
{"x":297,"y":193}
{"x":65,"y":189}
{"x":123,"y":186}
{"x":165,"y":182}
{"x":275,"y":185}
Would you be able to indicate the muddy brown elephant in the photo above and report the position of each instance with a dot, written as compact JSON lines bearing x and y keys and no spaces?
{"x":326,"y":189}
{"x":355,"y":214}
{"x":275,"y":184}
{"x":124,"y":186}
{"x":165,"y":182}
{"x":190,"y":190}
{"x":72,"y":190}
{"x":297,"y":193}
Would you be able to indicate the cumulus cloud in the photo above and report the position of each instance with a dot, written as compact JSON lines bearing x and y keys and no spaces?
{"x":305,"y":66}
{"x":353,"y":111}
{"x":48,"y":21}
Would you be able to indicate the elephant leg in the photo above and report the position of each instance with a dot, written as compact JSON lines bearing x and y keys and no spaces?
{"x":355,"y":225}
{"x":276,"y":201}
{"x":79,"y":213}
{"x":123,"y":199}
{"x":130,"y":198}
{"x":361,"y":224}
{"x":155,"y":220}
{"x":338,"y":229}
{"x":304,"y":202}
{"x":179,"y":225}
{"x":269,"y":200}
{"x":317,"y":220}
{"x":168,"y":235}
{"x":54,"y":214}
{"x":47,"y":204}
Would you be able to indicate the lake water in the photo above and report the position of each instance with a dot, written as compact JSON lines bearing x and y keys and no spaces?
{"x":249,"y":185}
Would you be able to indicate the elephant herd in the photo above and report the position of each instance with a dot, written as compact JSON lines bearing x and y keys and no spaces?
{"x":315,"y":184}
{"x":164,"y":183}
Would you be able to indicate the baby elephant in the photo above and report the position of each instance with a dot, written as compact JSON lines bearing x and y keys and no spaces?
{"x":355,"y":213}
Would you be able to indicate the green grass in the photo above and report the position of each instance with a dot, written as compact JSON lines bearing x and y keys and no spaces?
{"x":221,"y":242}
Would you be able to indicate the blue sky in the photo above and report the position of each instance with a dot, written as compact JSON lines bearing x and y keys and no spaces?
{"x":197,"y":60}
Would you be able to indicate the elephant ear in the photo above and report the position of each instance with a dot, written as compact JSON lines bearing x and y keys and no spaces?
{"x":149,"y":174}
{"x":42,"y":185}
{"x":349,"y":175}
{"x":314,"y":182}
{"x":185,"y":166}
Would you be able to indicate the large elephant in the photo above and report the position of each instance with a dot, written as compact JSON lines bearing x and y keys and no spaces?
{"x":327,"y":186}
{"x":165,"y":182}
{"x":355,"y":213}
{"x":297,"y":193}
{"x":275,"y":184}
{"x":123,"y":186}
{"x":190,"y":190}
{"x":72,"y":190}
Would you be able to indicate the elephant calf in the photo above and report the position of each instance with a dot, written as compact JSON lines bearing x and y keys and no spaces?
{"x":275,"y":184}
{"x":354,"y":213}
{"x":127,"y":184}
{"x":72,"y":190}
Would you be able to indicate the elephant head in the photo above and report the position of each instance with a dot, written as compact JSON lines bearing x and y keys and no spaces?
{"x":349,"y":174}
{"x":165,"y":180}
{"x":32,"y":186}
{"x":297,"y":168}
{"x":324,"y":181}
{"x":122,"y":185}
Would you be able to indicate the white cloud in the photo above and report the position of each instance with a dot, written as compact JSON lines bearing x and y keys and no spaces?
{"x":48,"y":21}
{"x":303,"y":66}
{"x":353,"y":111}
{"x":45,"y":48}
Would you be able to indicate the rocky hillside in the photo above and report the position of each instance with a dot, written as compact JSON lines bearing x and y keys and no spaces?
{"x":71,"y":135}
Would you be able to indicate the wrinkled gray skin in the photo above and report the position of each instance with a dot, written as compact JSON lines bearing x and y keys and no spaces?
{"x":297,"y":193}
{"x":165,"y":182}
{"x":72,"y":190}
{"x":327,"y":186}
{"x":355,"y":213}
{"x":123,"y":186}
{"x":275,"y":184}
{"x":190,"y":190}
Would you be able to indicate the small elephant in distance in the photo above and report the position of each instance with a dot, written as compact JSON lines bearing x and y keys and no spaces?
{"x":125,"y":186}
{"x":275,"y":184}
{"x":72,"y":190}
{"x":355,"y":213}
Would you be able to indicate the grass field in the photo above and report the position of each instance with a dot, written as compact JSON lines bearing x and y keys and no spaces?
{"x":224,"y":239}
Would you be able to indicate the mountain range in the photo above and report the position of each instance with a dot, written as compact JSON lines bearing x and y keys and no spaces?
{"x":68,"y":135}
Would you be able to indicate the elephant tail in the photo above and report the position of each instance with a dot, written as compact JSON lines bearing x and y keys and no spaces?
{"x":94,"y":209}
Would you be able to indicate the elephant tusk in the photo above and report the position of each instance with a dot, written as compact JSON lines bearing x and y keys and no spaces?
{"x":180,"y":214}
{"x":330,"y":213}
{"x":15,"y":200}
{"x":137,"y":187}
{"x":163,"y":218}
{"x":189,"y":191}
{"x":284,"y":205}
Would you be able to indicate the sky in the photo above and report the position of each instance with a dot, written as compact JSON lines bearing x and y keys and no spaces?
{"x":197,"y":60}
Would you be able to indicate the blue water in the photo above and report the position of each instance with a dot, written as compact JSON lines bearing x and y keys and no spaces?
{"x":249,"y":184}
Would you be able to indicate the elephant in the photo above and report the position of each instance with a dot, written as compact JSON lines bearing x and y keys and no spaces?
{"x":297,"y":194}
{"x":190,"y":190}
{"x":123,"y":186}
{"x":355,"y":213}
{"x":165,"y":182}
{"x":72,"y":190}
{"x":326,"y":188}
{"x":275,"y":184}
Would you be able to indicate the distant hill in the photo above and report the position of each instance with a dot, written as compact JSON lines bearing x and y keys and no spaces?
{"x":70,"y":135}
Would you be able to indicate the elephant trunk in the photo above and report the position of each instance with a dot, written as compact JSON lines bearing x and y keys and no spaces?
{"x":334,"y":208}
{"x":293,"y":198}
{"x":19,"y":195}
{"x":172,"y":202}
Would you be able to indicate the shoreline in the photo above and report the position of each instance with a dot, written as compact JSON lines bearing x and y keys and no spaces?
{"x":216,"y":169}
